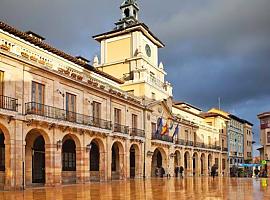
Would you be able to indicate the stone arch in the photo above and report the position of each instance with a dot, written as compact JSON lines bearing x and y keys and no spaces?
{"x":5,"y":157}
{"x":187,"y":160}
{"x":37,"y":157}
{"x":177,"y":161}
{"x":209,"y":162}
{"x":71,"y":159}
{"x":134,"y":161}
{"x":118,"y":161}
{"x":97,"y":160}
{"x":195,"y":163}
{"x":159,"y":160}
{"x":203,"y":164}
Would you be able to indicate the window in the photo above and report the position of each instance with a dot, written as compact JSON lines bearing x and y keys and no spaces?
{"x":209,"y":140}
{"x":186,"y":135}
{"x":134,"y":121}
{"x":37,"y":96}
{"x":69,"y":155}
{"x":71,"y":107}
{"x":268,"y":137}
{"x":117,"y":116}
{"x":153,"y":128}
{"x":209,"y":123}
{"x":37,"y":93}
{"x":96,"y":112}
{"x":2,"y":152}
{"x":195,"y":137}
{"x":117,"y":120}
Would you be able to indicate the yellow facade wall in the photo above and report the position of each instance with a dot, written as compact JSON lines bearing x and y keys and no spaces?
{"x":118,"y":50}
{"x":116,"y":70}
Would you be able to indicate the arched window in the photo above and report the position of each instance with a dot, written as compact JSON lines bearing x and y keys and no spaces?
{"x":94,"y":157}
{"x":127,"y":14}
{"x":2,"y":152}
{"x":69,"y":155}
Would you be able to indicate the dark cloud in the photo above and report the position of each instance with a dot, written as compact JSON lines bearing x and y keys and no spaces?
{"x":214,"y":48}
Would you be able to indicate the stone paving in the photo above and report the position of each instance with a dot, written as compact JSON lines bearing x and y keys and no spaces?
{"x":160,"y":189}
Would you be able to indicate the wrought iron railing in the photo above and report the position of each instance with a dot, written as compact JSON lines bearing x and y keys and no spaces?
{"x":180,"y":141}
{"x":165,"y":138}
{"x":189,"y":143}
{"x":137,"y":132}
{"x":61,"y":114}
{"x":224,"y":149}
{"x":8,"y":103}
{"x":120,"y":128}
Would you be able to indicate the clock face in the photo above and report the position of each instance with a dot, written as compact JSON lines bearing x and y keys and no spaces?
{"x":148,"y":50}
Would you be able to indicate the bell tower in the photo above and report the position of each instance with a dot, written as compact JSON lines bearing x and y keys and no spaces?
{"x":130,"y":10}
{"x":130,"y":53}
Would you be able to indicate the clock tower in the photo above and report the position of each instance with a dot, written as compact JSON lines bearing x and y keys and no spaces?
{"x":130,"y":52}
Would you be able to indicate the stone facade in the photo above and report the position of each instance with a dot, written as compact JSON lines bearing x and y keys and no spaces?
{"x":64,"y":121}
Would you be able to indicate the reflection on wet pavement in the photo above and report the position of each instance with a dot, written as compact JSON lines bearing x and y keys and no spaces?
{"x":188,"y":188}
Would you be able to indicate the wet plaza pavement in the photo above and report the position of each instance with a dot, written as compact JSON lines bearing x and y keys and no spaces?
{"x":188,"y":188}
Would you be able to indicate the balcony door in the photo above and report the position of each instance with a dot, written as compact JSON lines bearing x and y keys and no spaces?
{"x":117,"y":120}
{"x":96,"y":113}
{"x":37,"y":101}
{"x":71,"y":107}
{"x":134,"y":124}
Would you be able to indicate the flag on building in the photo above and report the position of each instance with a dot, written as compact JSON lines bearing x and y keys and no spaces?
{"x":159,"y":126}
{"x":165,"y":129}
{"x":176,"y":131}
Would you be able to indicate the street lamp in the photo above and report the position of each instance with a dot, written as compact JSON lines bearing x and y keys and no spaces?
{"x":88,"y":147}
{"x":59,"y":144}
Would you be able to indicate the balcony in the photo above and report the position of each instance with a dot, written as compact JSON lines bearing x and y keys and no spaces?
{"x":218,"y":148}
{"x":180,"y":141}
{"x":189,"y":143}
{"x":33,"y":108}
{"x":200,"y":145}
{"x":224,"y":149}
{"x":8,"y":103}
{"x":137,"y":132}
{"x":164,"y":138}
{"x":120,"y":128}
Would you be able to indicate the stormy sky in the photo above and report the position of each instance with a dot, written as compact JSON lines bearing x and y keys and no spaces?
{"x":214,"y":48}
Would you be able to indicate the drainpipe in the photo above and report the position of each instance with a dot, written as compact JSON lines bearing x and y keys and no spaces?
{"x":144,"y":125}
{"x":23,"y":154}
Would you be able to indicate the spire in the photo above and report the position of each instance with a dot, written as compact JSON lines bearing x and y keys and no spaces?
{"x":130,"y":10}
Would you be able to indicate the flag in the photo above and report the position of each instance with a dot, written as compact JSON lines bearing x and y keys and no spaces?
{"x":171,"y":127}
{"x":165,"y":129}
{"x":176,"y":131}
{"x":159,"y":126}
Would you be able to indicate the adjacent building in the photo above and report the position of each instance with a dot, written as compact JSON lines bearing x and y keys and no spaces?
{"x":265,"y":139}
{"x":239,"y":137}
{"x":248,"y":141}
